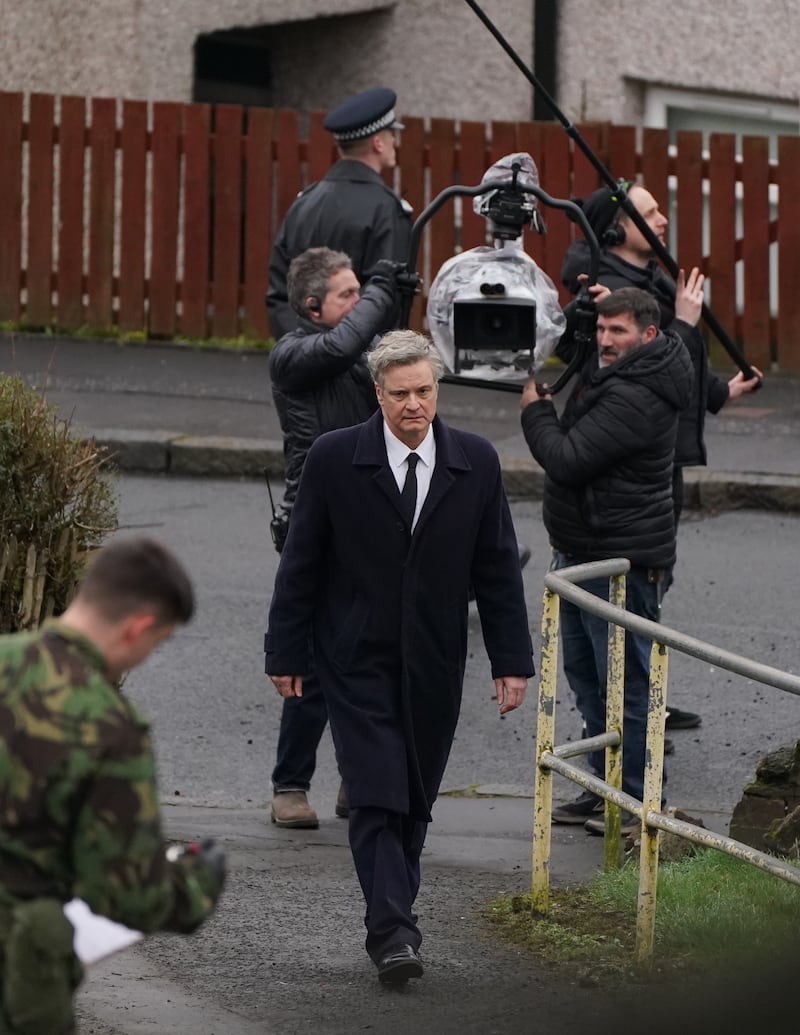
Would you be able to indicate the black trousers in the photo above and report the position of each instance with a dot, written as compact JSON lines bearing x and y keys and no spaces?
{"x":386,"y":849}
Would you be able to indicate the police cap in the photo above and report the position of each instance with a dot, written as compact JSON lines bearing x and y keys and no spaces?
{"x":361,"y":116}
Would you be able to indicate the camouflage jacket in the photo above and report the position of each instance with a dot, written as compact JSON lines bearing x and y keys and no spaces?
{"x":79,"y":811}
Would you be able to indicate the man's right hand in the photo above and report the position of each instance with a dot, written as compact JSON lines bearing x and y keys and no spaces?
{"x":689,"y":296}
{"x":288,"y":686}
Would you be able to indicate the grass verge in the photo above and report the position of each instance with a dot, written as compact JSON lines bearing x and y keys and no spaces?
{"x":712,"y":912}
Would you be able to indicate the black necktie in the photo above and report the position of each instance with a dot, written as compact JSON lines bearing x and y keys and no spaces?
{"x":408,"y":497}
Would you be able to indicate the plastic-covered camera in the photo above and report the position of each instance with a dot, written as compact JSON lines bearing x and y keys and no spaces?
{"x":492,"y":312}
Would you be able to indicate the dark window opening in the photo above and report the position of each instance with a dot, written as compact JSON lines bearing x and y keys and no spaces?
{"x":233,"y":67}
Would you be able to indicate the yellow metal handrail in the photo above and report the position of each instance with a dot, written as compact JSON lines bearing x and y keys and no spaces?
{"x":551,"y":758}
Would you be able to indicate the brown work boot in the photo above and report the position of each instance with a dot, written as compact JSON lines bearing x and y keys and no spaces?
{"x":291,"y":809}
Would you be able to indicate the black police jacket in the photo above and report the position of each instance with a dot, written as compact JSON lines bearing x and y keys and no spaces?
{"x":709,"y":392}
{"x":351,"y":210}
{"x":320,"y":380}
{"x":608,"y":459}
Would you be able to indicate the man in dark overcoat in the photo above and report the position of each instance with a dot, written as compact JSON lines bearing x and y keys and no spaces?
{"x":380,"y":556}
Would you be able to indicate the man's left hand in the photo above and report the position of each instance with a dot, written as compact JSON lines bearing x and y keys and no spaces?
{"x":531,"y":393}
{"x":510,"y":692}
{"x":739,"y":386}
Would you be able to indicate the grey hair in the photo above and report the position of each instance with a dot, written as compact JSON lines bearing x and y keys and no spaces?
{"x":402,"y":348}
{"x":309,"y":273}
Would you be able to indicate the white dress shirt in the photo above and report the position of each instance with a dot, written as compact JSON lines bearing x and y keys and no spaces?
{"x":397,"y":453}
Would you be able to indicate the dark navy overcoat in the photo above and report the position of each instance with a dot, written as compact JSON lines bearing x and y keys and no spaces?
{"x":389,"y":611}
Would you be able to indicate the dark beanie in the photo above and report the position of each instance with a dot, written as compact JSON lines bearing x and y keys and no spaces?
{"x":600,"y":208}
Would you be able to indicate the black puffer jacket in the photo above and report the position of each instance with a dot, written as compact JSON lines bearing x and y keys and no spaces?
{"x":608,"y":460}
{"x":320,"y":379}
{"x":710,"y":392}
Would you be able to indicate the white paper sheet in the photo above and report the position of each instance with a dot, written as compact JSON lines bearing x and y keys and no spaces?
{"x":96,"y":936}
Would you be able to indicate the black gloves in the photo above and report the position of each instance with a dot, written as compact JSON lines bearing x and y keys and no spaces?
{"x":397,"y":276}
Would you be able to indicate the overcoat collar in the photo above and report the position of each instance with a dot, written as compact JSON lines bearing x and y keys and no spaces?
{"x":370,"y":451}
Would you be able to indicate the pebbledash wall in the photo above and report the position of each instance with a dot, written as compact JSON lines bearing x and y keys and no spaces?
{"x":614,"y":59}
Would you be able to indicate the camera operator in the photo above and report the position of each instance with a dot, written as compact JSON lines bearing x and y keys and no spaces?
{"x":320,"y":382}
{"x":627,"y":260}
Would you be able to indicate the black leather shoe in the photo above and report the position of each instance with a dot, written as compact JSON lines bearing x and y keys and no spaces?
{"x":398,"y":964}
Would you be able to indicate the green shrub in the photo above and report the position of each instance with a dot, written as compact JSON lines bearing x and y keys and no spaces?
{"x":57,"y":504}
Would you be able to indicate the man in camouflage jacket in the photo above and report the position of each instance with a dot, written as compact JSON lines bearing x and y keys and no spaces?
{"x":79,"y":813}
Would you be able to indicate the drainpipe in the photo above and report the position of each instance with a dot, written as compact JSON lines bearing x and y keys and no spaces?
{"x":545,"y":54}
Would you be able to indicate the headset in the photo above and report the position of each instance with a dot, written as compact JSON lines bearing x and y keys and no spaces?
{"x":614,"y":234}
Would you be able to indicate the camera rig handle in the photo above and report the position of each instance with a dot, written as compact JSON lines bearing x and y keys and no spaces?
{"x":584,"y":333}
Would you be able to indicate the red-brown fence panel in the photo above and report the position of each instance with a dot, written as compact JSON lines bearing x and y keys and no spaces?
{"x":133,"y":216}
{"x":722,"y":228}
{"x":755,"y":247}
{"x":555,"y":174}
{"x":101,"y":212}
{"x":320,"y":150}
{"x":687,"y":236}
{"x":39,"y":274}
{"x":227,"y":255}
{"x":10,"y":204}
{"x":412,"y":189}
{"x":655,"y":163}
{"x":622,"y":159}
{"x":472,"y":164}
{"x":232,"y":206}
{"x":196,"y":220}
{"x":788,"y":252}
{"x":288,"y":175}
{"x":442,"y":151}
{"x":585,"y":178}
{"x":164,"y":219}
{"x":258,"y":222}
{"x":503,"y":140}
{"x":71,"y":154}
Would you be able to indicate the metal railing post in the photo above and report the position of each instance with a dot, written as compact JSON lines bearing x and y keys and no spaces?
{"x":651,"y":802}
{"x":545,"y":740}
{"x":615,"y":710}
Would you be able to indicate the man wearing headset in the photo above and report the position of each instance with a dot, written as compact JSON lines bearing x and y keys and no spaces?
{"x":320,"y":382}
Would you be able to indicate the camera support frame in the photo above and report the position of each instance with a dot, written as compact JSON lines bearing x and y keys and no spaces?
{"x":584,"y":332}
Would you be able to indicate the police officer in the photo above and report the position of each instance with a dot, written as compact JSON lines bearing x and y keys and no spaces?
{"x":79,"y":812}
{"x":351,"y":210}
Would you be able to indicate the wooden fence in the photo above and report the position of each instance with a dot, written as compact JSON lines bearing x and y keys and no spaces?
{"x":158,"y":218}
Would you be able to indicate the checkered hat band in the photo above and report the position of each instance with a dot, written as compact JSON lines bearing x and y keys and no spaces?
{"x":366,"y":131}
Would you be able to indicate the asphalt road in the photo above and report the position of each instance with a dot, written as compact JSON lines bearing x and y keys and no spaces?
{"x":284,"y":952}
{"x":216,"y":716}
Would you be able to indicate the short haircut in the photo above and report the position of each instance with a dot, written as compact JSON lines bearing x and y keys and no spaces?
{"x":355,"y":148}
{"x":402,"y":348}
{"x":636,"y":301}
{"x":138,"y":574}
{"x":309,"y":273}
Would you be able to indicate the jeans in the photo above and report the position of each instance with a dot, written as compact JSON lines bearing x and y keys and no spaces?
{"x":584,"y":640}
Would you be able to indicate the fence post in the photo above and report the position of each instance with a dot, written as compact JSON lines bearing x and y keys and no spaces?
{"x":615,"y":710}
{"x":651,"y":801}
{"x":545,"y":740}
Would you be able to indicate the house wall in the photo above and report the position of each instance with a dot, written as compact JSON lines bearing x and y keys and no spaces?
{"x":438,"y":56}
{"x":609,"y":52}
